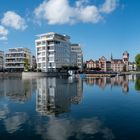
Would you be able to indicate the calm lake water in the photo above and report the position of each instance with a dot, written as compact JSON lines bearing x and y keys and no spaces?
{"x":70,"y":109}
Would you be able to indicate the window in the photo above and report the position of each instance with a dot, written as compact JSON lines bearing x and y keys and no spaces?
{"x":43,"y":58}
{"x":43,"y":64}
{"x":51,"y":58}
{"x":43,"y":42}
{"x":43,"y":53}
{"x":38,"y":49}
{"x":38,"y":43}
{"x":43,"y":48}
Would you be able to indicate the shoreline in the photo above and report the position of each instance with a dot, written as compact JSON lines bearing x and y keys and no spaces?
{"x":56,"y":74}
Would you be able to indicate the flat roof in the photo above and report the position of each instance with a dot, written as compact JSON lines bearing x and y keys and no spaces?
{"x":53,"y":33}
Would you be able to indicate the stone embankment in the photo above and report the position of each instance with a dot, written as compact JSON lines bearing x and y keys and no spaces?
{"x":31,"y":74}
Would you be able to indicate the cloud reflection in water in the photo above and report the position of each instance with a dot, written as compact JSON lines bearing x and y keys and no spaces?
{"x":14,"y":122}
{"x":62,"y":129}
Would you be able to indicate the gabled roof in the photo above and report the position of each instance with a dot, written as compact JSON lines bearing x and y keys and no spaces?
{"x":89,"y":61}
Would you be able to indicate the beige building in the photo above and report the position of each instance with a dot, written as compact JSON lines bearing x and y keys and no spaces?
{"x":15,"y":59}
{"x":119,"y":65}
{"x":116,"y":65}
{"x":90,"y":64}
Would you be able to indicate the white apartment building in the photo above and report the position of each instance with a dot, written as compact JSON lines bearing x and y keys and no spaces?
{"x":15,"y":59}
{"x":76,"y":48}
{"x":1,"y":60}
{"x":52,"y":51}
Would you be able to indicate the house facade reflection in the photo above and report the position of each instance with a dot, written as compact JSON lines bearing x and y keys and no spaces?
{"x":122,"y":81}
{"x":54,"y":96}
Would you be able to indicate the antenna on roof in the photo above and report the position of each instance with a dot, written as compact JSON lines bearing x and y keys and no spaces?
{"x":111,"y":57}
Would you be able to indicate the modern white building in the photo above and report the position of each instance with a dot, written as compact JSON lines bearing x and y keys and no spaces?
{"x":16,"y":58}
{"x":52,"y":51}
{"x":1,"y":60}
{"x":76,"y":48}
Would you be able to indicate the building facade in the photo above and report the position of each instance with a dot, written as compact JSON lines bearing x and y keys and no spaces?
{"x":119,"y":65}
{"x":1,"y":60}
{"x":132,"y":66}
{"x":102,"y":63}
{"x":34,"y":65}
{"x":52,"y":51}
{"x":115,"y":65}
{"x":76,"y":48}
{"x":17,"y":58}
{"x":90,"y":64}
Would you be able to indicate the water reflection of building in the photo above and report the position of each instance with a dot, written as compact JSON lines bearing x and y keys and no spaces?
{"x":54,"y":96}
{"x":16,"y":89}
{"x":101,"y":82}
{"x":114,"y":81}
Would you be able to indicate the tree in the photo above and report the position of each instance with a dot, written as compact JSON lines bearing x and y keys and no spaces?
{"x":137,"y":60}
{"x":26,"y":64}
{"x":137,"y":84}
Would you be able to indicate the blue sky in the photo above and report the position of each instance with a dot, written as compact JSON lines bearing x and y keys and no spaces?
{"x":101,"y":27}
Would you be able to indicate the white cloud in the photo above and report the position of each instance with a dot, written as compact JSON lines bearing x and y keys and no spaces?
{"x":61,"y":12}
{"x":88,"y":14}
{"x":12,"y":19}
{"x":55,"y":12}
{"x":108,"y":6}
{"x":3,"y":33}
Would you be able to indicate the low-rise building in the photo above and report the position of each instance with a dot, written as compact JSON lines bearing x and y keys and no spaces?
{"x":102,"y":63}
{"x":16,"y":59}
{"x":132,"y":66}
{"x":1,"y":60}
{"x":34,"y":65}
{"x":90,"y":64}
{"x":119,"y":65}
{"x":115,"y":65}
{"x":76,"y":48}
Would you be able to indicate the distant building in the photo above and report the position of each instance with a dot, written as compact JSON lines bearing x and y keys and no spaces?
{"x":102,"y":63}
{"x":90,"y":64}
{"x":119,"y":65}
{"x":126,"y":60}
{"x":1,"y":60}
{"x":132,"y":66}
{"x":116,"y":65}
{"x":16,"y":58}
{"x":52,"y":51}
{"x":108,"y":66}
{"x":34,"y":65}
{"x":76,"y":48}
